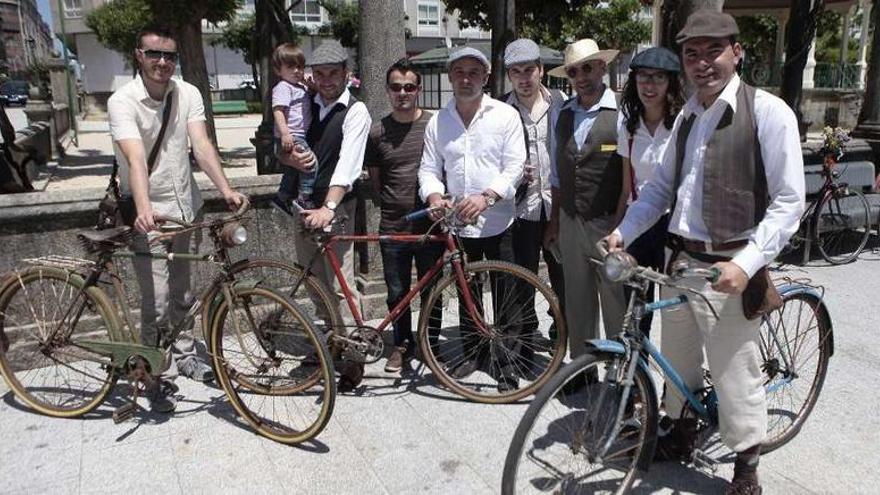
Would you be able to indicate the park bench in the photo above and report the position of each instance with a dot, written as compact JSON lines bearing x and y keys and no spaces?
{"x":229,"y":106}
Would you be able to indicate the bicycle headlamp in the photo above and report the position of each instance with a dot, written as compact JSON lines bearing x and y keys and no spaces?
{"x":233,"y":234}
{"x":619,"y":266}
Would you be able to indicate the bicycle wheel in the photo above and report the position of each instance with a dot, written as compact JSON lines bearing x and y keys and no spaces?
{"x":273,"y":365}
{"x":524,"y":342}
{"x":312,"y":297}
{"x":560,"y":443}
{"x":795,"y":346}
{"x":842,"y":225}
{"x":44,"y":314}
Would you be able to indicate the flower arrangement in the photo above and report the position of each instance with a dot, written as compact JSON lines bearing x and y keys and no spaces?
{"x":833,"y":143}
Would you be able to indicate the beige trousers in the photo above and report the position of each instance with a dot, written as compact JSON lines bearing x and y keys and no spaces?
{"x":306,"y":249}
{"x":586,"y":288}
{"x":730,"y":343}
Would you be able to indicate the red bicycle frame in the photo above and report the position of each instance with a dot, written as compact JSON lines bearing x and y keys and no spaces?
{"x":326,"y":241}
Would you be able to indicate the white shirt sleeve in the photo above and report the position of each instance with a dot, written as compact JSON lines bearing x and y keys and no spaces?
{"x":196,"y":112}
{"x":513,"y":158}
{"x":784,"y":168}
{"x":431,"y":168}
{"x":122,"y":118}
{"x":655,"y":197}
{"x":554,"y":176}
{"x":355,"y":129}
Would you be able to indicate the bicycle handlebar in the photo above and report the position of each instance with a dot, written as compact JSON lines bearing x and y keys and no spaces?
{"x":242,"y":209}
{"x":418,"y":214}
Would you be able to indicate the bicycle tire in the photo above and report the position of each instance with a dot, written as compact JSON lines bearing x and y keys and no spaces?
{"x":839,"y":235}
{"x":556,"y":422}
{"x":271,"y":344}
{"x":803,"y":330}
{"x":57,"y":378}
{"x":531,"y":357}
{"x":312,"y":296}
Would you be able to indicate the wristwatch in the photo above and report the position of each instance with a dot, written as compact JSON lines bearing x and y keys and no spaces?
{"x":331,"y":205}
{"x":490,"y":199}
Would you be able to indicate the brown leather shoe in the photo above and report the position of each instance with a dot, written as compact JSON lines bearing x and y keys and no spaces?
{"x":395,"y":360}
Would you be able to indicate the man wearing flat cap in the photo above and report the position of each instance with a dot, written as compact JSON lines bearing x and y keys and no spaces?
{"x":586,"y":183}
{"x":535,"y":104}
{"x":733,"y":179}
{"x":337,"y":137}
{"x":475,"y":150}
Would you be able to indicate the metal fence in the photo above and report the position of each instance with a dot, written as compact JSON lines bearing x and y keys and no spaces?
{"x":837,"y":76}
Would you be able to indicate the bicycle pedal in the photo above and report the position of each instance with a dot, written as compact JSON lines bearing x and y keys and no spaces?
{"x":124,"y":412}
{"x":701,"y":460}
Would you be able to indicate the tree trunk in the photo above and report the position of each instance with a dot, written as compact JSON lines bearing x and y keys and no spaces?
{"x":676,"y":12}
{"x":503,"y":32}
{"x":381,"y":43}
{"x":193,"y":67}
{"x":869,"y":117}
{"x":800,"y":34}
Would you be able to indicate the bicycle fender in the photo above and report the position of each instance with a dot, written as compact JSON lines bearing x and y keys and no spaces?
{"x":243,"y":284}
{"x":795,"y":288}
{"x":611,"y":347}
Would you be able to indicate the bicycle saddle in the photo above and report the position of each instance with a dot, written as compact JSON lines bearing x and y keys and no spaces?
{"x":105,"y":240}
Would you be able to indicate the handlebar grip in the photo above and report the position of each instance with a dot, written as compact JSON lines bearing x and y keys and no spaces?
{"x":244,"y":206}
{"x":176,"y":221}
{"x":417,"y":215}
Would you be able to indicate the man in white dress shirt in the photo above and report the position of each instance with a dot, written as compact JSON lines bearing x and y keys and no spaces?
{"x":475,"y":150}
{"x":733,"y":177}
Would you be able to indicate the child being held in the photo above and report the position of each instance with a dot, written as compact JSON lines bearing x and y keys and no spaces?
{"x":292,"y":110}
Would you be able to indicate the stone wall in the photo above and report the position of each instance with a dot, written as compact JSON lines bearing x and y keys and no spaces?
{"x":43,"y":223}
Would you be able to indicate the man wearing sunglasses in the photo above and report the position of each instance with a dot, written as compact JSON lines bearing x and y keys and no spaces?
{"x":394,"y":152}
{"x":164,"y":187}
{"x":586,"y":182}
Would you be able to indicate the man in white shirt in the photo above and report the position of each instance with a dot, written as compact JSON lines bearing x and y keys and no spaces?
{"x":733,"y":176}
{"x":535,"y":104}
{"x":168,"y":189}
{"x":586,"y":186}
{"x":337,"y":137}
{"x":475,"y":150}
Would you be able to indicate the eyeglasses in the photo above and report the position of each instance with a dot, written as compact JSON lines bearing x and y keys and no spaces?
{"x":655,"y":78}
{"x":408,"y":87}
{"x":157,"y":55}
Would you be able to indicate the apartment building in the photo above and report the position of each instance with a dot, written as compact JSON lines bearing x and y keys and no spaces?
{"x":26,"y":38}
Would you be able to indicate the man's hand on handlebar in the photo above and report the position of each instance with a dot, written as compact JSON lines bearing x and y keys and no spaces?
{"x":470,"y":208}
{"x":146,"y":221}
{"x":438,"y":205}
{"x":733,"y":279}
{"x":613,"y":242}
{"x":318,"y":219}
{"x":234,"y":199}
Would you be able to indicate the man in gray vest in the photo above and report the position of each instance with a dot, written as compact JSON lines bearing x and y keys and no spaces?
{"x":734,"y":182}
{"x":535,"y":104}
{"x":586,"y":182}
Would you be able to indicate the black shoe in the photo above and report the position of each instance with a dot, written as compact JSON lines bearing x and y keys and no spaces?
{"x":350,"y":377}
{"x":465,"y":369}
{"x":282,"y":205}
{"x":744,"y":485}
{"x":678,"y":444}
{"x":195,"y":369}
{"x":161,"y":396}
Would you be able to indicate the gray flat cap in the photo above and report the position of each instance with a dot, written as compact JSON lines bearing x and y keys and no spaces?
{"x":465,"y":52}
{"x":329,"y":52}
{"x":521,"y":51}
{"x":707,"y":23}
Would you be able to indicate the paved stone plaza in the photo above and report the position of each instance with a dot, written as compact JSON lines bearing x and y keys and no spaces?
{"x":406,"y":435}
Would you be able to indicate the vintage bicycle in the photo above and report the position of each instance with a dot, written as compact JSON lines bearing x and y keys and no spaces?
{"x":64,"y":342}
{"x":597,"y":437}
{"x":496,"y":312}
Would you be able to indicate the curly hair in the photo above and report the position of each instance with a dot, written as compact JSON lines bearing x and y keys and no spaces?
{"x":632,"y":106}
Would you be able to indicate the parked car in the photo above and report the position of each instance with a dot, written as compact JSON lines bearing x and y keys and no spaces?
{"x":14,"y":92}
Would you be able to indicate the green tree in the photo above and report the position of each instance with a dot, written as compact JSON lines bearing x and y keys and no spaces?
{"x":116,"y":22}
{"x":344,"y":22}
{"x":612,"y":24}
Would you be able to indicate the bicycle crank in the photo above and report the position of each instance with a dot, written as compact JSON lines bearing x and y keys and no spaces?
{"x":363,"y":345}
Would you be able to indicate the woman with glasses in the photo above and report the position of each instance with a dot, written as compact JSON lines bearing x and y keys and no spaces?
{"x":652,"y":97}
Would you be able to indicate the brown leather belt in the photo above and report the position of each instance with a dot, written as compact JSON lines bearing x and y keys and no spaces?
{"x":707,"y":247}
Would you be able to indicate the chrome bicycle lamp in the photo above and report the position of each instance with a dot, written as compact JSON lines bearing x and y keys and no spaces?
{"x":233,"y":234}
{"x":619,"y":266}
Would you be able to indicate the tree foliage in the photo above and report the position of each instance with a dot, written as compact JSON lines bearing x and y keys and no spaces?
{"x":115,"y":23}
{"x":554,"y":23}
{"x":344,"y":22}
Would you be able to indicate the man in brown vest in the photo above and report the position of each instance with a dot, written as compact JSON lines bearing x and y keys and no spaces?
{"x":734,"y":182}
{"x":586,"y":183}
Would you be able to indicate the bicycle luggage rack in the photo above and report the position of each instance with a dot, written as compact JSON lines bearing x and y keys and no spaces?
{"x":56,"y":261}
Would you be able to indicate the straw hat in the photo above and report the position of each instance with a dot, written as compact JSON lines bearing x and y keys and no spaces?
{"x":582,"y":51}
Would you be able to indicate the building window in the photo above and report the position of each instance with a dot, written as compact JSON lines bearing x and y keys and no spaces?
{"x":72,"y":9}
{"x":306,"y":12}
{"x":429,"y":18}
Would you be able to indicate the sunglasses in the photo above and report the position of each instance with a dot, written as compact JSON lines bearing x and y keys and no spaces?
{"x":157,"y":55}
{"x":408,"y":87}
{"x":573,"y":71}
